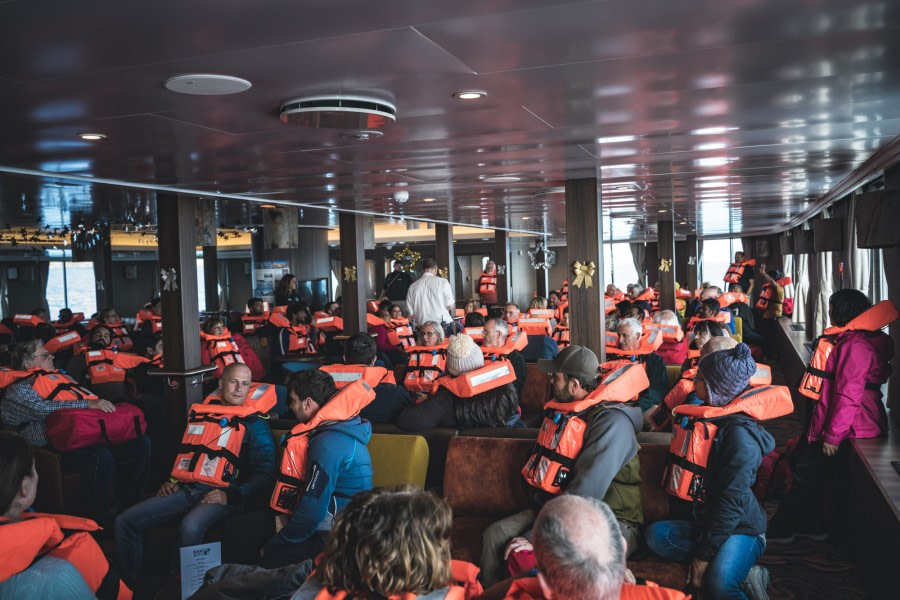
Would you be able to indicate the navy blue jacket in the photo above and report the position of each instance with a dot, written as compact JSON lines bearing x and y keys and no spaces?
{"x":732,"y":508}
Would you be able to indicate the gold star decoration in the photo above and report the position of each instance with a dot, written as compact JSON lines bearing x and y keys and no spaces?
{"x":584,"y":273}
{"x":444,"y":272}
{"x":350,"y":273}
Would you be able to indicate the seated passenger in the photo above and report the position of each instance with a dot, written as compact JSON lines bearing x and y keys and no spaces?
{"x":710,"y":308}
{"x":148,"y":321}
{"x":672,"y":351}
{"x":121,"y":336}
{"x":26,"y":405}
{"x":723,"y":548}
{"x":255,"y":321}
{"x":101,"y":369}
{"x":359,"y":363}
{"x":580,"y":553}
{"x":293,"y":334}
{"x":630,"y":349}
{"x":459,"y":402}
{"x":335,"y":465}
{"x":391,"y":543}
{"x":605,"y":463}
{"x":496,"y":335}
{"x":561,"y":333}
{"x":196,"y":498}
{"x":702,"y":333}
{"x":427,"y":360}
{"x":511,"y":315}
{"x":42,"y":555}
{"x":69,"y":321}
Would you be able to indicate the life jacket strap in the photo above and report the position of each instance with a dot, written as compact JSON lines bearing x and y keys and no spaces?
{"x":199,"y":450}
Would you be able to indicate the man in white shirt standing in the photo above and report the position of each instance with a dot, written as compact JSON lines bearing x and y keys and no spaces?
{"x":430,"y":297}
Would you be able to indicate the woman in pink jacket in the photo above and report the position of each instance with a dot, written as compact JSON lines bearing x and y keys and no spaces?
{"x":850,"y":407}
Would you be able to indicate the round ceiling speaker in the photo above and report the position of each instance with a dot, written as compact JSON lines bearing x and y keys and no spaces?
{"x":206,"y":84}
{"x":338,"y":112}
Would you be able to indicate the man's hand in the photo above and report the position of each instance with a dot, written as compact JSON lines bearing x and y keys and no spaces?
{"x":829,"y":450}
{"x":696,"y":571}
{"x":104,"y":405}
{"x":167,"y":489}
{"x":214,"y":497}
{"x":517,"y":544}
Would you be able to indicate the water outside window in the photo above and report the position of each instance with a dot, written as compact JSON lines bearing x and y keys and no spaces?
{"x":618,"y":265}
{"x":73,"y":285}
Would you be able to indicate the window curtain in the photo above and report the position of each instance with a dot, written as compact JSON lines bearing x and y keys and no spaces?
{"x":824,"y":287}
{"x":336,"y":274}
{"x":801,"y":287}
{"x":43,"y":273}
{"x":222,"y":278}
{"x":4,"y":290}
{"x":891,"y":264}
{"x":638,"y":256}
{"x":858,"y":263}
{"x":787,"y":263}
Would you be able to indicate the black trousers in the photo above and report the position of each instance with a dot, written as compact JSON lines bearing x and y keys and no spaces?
{"x":802,"y":507}
{"x":245,"y":535}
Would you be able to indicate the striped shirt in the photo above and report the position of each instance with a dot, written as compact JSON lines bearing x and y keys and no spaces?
{"x":25,"y":410}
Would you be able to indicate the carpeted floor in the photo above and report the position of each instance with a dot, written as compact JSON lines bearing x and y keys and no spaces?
{"x":804,"y":568}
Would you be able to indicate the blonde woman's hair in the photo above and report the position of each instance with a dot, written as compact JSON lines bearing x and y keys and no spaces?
{"x":538,"y":302}
{"x":389,"y":541}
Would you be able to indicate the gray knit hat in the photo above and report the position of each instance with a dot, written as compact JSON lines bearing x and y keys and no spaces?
{"x":463,"y":355}
{"x":726,"y":373}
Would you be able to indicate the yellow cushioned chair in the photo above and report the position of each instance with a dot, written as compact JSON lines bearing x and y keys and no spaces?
{"x":738,"y":329}
{"x":674,"y":373}
{"x":398,"y":459}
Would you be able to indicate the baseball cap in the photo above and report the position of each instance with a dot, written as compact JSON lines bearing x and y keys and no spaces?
{"x":573,"y":360}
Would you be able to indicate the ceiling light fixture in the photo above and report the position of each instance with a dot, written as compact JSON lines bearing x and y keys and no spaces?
{"x":267,"y":206}
{"x":470,"y":94}
{"x":206,"y":84}
{"x":502,"y":179}
{"x":338,"y":112}
{"x":92,"y":137}
{"x":427,"y":199}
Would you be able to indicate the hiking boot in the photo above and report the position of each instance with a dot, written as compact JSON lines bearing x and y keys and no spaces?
{"x":756,"y":583}
{"x":779,"y":534}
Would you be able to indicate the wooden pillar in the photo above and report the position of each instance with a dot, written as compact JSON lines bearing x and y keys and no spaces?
{"x":664,"y":269}
{"x":353,"y":307}
{"x":500,"y":256}
{"x":446,"y":259}
{"x":691,"y":279}
{"x":584,"y":235}
{"x":211,"y":278}
{"x":180,"y":310}
{"x":103,"y":270}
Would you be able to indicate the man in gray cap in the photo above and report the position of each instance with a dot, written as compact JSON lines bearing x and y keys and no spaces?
{"x":607,"y":467}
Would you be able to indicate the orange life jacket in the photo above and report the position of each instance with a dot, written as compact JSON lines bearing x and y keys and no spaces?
{"x":545,"y":313}
{"x":493,"y":374}
{"x":881,"y":315}
{"x":650,"y":342}
{"x":529,"y":588}
{"x":121,"y":340}
{"x":564,"y":292}
{"x":62,"y":341}
{"x":722,"y":317}
{"x":670,"y":333}
{"x":476,"y":333}
{"x":148,"y":316}
{"x":515,"y":342}
{"x":105,"y":366}
{"x":299,"y":340}
{"x":37,"y":535}
{"x":463,"y":573}
{"x":645,"y":296}
{"x":290,"y":480}
{"x":661,"y":419}
{"x":535,"y":325}
{"x":561,"y":335}
{"x":25,"y":320}
{"x":683,"y":294}
{"x":250,"y":323}
{"x":372,"y":306}
{"x":784,"y":281}
{"x":767,"y":296}
{"x":50,"y":385}
{"x":487,"y":284}
{"x":426,"y":364}
{"x":222,"y":349}
{"x":400,"y":333}
{"x":729,"y":298}
{"x":63,"y":326}
{"x":373,"y":320}
{"x":733,"y":275}
{"x":344,"y":375}
{"x":329,"y":323}
{"x":211,"y":446}
{"x":609,"y":305}
{"x":561,"y":436}
{"x":685,"y":475}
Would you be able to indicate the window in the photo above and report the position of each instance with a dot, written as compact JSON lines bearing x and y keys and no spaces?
{"x":72,"y":285}
{"x":618,"y":265}
{"x":717,"y":256}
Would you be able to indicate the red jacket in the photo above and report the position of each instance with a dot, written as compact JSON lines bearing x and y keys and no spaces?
{"x":257,"y":371}
{"x":847,"y":409}
{"x":674,"y":353}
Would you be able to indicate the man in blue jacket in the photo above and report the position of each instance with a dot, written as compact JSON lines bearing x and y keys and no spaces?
{"x":338,"y":466}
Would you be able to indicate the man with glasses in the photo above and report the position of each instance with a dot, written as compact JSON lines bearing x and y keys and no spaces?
{"x":26,"y":405}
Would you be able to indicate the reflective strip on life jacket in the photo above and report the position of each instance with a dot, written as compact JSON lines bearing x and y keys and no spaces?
{"x":492,"y":375}
{"x":211,"y":446}
{"x":561,"y":436}
{"x":62,"y":341}
{"x":670,"y":333}
{"x":689,"y":450}
{"x":37,"y":535}
{"x":487,"y":284}
{"x":290,"y":480}
{"x":344,"y":375}
{"x":535,"y":325}
{"x":722,"y":318}
{"x":426,"y":364}
{"x":650,"y":342}
{"x":544,"y":313}
{"x":27,"y":320}
{"x":875,"y":318}
{"x":250,"y":323}
{"x":329,"y":323}
{"x":609,"y":305}
{"x":476,"y":333}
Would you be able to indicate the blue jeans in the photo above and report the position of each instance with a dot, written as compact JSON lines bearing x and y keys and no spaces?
{"x":675,"y":541}
{"x":197,"y":520}
{"x":49,"y":577}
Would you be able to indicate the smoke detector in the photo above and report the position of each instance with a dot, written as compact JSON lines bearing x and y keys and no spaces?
{"x":338,"y":112}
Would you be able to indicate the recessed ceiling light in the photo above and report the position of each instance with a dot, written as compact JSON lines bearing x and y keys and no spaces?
{"x":92,"y":137}
{"x":662,"y":210}
{"x":682,"y":223}
{"x":470,"y":94}
{"x":502,"y":179}
{"x":427,"y":199}
{"x":267,"y":206}
{"x":206,"y":84}
{"x":526,"y":218}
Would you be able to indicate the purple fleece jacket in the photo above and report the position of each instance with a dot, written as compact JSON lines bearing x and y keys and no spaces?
{"x":847,"y":409}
